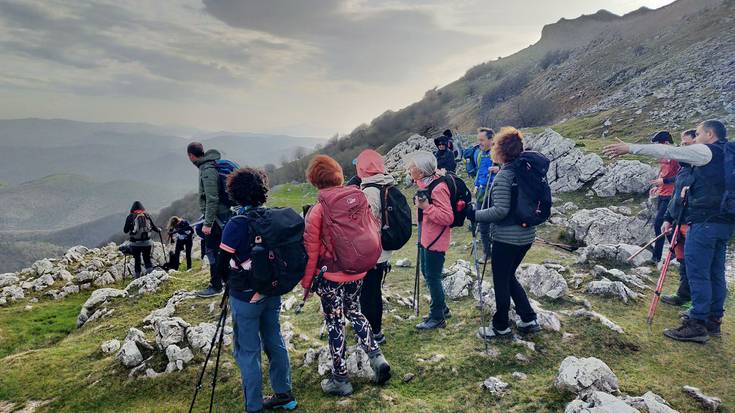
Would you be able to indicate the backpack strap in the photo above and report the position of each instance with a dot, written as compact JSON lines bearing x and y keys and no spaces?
{"x":383,"y":200}
{"x":431,"y":188}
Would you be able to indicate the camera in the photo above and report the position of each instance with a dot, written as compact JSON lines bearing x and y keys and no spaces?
{"x":423,"y":194}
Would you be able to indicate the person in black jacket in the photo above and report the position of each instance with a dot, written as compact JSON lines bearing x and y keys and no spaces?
{"x":444,"y":156}
{"x":180,"y":232}
{"x":139,"y":225}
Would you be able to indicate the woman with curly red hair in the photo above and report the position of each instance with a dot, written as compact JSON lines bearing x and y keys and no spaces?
{"x":338,"y":289}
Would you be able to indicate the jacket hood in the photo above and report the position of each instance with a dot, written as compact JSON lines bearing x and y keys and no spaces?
{"x":137,"y":206}
{"x":379,"y":179}
{"x":369,"y":163}
{"x":209,"y":156}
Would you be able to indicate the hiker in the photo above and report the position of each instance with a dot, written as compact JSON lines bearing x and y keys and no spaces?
{"x":470,"y":157}
{"x":683,"y":179}
{"x":710,"y":228}
{"x":663,"y":188}
{"x":510,"y":241}
{"x":486,"y":172}
{"x":371,"y":170}
{"x":435,"y":218}
{"x":444,"y":156}
{"x":255,"y":318}
{"x":139,"y":225}
{"x":338,"y":288}
{"x":450,"y":143}
{"x":181,"y":233}
{"x":215,"y":207}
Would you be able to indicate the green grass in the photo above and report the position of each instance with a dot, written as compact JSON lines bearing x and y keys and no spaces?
{"x":45,"y":358}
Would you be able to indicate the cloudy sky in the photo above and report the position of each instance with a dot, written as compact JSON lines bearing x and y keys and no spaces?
{"x":301,"y":67}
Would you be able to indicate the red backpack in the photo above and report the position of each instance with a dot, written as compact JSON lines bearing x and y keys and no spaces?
{"x":350,"y":233}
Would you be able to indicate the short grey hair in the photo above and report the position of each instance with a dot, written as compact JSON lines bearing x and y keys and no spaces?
{"x":423,"y":161}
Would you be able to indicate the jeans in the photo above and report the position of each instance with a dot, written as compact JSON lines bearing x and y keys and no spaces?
{"x":505,"y":261}
{"x":144,"y":254}
{"x":256,"y":326}
{"x":663,"y":204}
{"x":432,"y":265}
{"x":340,"y":299}
{"x":212,"y":242}
{"x":705,"y":257}
{"x":371,"y":296}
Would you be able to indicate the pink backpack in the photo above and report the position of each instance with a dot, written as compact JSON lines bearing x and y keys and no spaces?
{"x":350,"y":232}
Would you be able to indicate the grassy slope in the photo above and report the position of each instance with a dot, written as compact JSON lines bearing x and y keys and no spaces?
{"x":45,"y":358}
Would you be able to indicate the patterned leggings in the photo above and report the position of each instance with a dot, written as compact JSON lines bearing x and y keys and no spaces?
{"x":339,"y":299}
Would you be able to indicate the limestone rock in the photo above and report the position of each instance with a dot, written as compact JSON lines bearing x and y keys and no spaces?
{"x":43,"y":282}
{"x":403,"y":263}
{"x":104,"y":279}
{"x":200,"y":336}
{"x":599,"y":402}
{"x":177,"y":357}
{"x":617,"y":254}
{"x":712,"y":404}
{"x":169,"y":331}
{"x":42,"y":267}
{"x":542,"y":281}
{"x":8,"y":279}
{"x":626,"y":177}
{"x":358,"y":362}
{"x":603,"y":226}
{"x":615,"y":289}
{"x":495,"y":386}
{"x":13,"y":293}
{"x":395,"y":158}
{"x":581,"y":376}
{"x":457,"y":286}
{"x":129,"y":355}
{"x":97,"y":299}
{"x":84,"y":276}
{"x":110,"y":346}
{"x":649,"y":402}
{"x":584,"y":313}
{"x":148,"y":283}
{"x":631,"y":280}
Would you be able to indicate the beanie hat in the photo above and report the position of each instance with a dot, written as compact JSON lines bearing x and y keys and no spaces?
{"x":662,"y":137}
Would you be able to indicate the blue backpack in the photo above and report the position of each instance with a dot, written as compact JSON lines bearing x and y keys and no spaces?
{"x":728,"y":198}
{"x":224,"y":169}
{"x":471,"y":163}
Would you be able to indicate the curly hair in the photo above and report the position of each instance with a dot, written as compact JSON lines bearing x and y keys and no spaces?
{"x":508,"y":144}
{"x":248,"y":187}
{"x":324,"y":172}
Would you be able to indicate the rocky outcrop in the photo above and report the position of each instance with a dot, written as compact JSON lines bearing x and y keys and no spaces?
{"x":358,"y":362}
{"x":631,"y":280}
{"x":542,"y":281}
{"x":709,"y":403}
{"x":603,"y":226}
{"x":458,"y":280}
{"x":613,"y":289}
{"x":495,"y":386}
{"x":581,"y":376}
{"x":395,"y":158}
{"x":570,"y":167}
{"x":616,"y":254}
{"x":625,"y":177}
{"x":96,"y":302}
{"x":147,"y":284}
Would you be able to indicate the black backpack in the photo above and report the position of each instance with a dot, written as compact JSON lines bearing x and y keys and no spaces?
{"x":278,"y":257}
{"x":531,"y":194}
{"x":224,"y":169}
{"x":459,"y":195}
{"x":395,"y":217}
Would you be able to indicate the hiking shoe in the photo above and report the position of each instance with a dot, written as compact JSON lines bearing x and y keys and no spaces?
{"x":431,"y":324}
{"x":674,"y":300}
{"x":379,"y":338}
{"x":529,"y":327}
{"x":334,"y":387}
{"x":381,"y":368}
{"x":690,"y":330}
{"x":490,"y":333}
{"x":284,"y":401}
{"x":209,"y":292}
{"x":136,"y":275}
{"x":714,"y":327}
{"x":447,"y":315}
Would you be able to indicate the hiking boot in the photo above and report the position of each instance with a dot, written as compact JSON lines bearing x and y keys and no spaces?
{"x":334,"y":387}
{"x":447,"y":315}
{"x":490,"y":333}
{"x":284,"y":401}
{"x":379,"y":339}
{"x":381,"y":369}
{"x":136,"y":275}
{"x":674,"y":300}
{"x":529,"y":327}
{"x":209,"y":292}
{"x":431,"y":324}
{"x":714,"y":327}
{"x":690,"y":330}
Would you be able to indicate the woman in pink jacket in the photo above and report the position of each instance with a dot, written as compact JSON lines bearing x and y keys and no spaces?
{"x":339,"y":292}
{"x":435,"y":220}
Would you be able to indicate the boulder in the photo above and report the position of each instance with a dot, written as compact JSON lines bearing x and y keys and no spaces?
{"x":403,"y":263}
{"x":457,"y":286}
{"x":495,"y":386}
{"x":200,"y":336}
{"x":542,"y":281}
{"x":625,"y":177}
{"x":42,"y":267}
{"x":43,"y":282}
{"x":582,"y":376}
{"x":138,"y":337}
{"x":592,"y":315}
{"x":104,"y":279}
{"x":616,"y":254}
{"x":395,"y":158}
{"x":631,"y":280}
{"x":709,"y":403}
{"x":148,"y":283}
{"x":8,"y":279}
{"x":64,"y":275}
{"x":358,"y":362}
{"x":84,"y":277}
{"x":110,"y":346}
{"x":97,"y":299}
{"x":129,"y":355}
{"x":603,"y":226}
{"x":615,"y":289}
{"x":599,"y":402}
{"x":649,"y":402}
{"x":13,"y":293}
{"x":169,"y":331}
{"x":177,"y":357}
{"x":70,"y":289}
{"x":75,"y":254}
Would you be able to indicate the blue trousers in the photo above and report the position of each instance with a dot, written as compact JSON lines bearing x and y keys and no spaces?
{"x":256,"y":326}
{"x":704,"y":252}
{"x":432,"y":265}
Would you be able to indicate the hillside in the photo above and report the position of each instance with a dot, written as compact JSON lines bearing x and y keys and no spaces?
{"x":629,"y":75}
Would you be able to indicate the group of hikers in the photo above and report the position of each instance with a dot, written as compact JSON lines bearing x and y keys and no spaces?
{"x":342,"y":246}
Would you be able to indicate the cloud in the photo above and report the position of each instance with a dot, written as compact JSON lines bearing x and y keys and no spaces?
{"x":353,"y":42}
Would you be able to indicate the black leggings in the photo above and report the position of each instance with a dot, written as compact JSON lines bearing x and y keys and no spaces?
{"x":181,"y":245}
{"x":144,"y":254}
{"x":371,"y":296}
{"x":505,"y":261}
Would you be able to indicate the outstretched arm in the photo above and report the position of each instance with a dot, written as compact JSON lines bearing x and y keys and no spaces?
{"x":697,"y":154}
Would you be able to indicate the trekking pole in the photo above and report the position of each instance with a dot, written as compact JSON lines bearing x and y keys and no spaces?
{"x":219,"y":352}
{"x":648,"y":244}
{"x":311,"y":289}
{"x":220,"y":323}
{"x":480,"y":281}
{"x":665,"y":266}
{"x":567,"y":248}
{"x":417,"y":282}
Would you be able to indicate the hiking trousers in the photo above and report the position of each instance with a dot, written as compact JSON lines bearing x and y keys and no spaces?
{"x":142,"y":254}
{"x":182,"y":245}
{"x":338,"y":300}
{"x":371,"y":296}
{"x":256,"y":327}
{"x":432,"y":266}
{"x":212,"y":242}
{"x":505,"y":261}
{"x":683,"y":290}
{"x":661,"y":207}
{"x":705,"y":251}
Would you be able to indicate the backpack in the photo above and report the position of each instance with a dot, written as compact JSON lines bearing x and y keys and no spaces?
{"x":141,"y":226}
{"x":470,"y":160}
{"x":395,"y":217}
{"x":278,"y":257}
{"x":349,"y":231}
{"x":531,"y":194}
{"x":224,"y":169}
{"x":459,"y":196}
{"x":728,"y":198}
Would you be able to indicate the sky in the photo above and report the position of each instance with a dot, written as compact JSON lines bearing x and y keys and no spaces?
{"x":298,"y":67}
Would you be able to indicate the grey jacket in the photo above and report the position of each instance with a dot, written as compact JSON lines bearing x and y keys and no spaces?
{"x":500,"y":203}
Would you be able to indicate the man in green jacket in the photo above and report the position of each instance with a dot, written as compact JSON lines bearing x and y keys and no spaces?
{"x":216,"y":213}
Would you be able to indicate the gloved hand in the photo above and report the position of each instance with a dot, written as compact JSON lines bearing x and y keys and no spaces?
{"x":470,"y":212}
